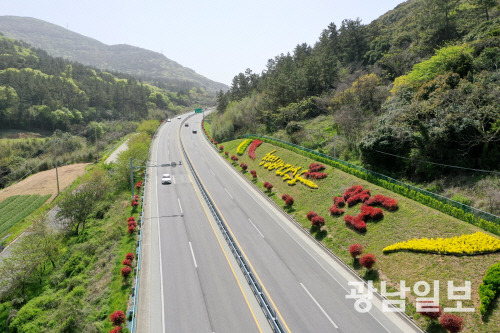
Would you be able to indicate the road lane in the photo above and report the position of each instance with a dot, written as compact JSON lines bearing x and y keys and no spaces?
{"x":193,"y":284}
{"x":307,"y":286}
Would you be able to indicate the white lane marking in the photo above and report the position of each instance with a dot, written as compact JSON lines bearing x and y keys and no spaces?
{"x":211,"y":171}
{"x":173,"y":179}
{"x":179,"y":200}
{"x":228,"y":193}
{"x":256,"y":228}
{"x":159,"y":246}
{"x":319,"y":306}
{"x":192,"y":253}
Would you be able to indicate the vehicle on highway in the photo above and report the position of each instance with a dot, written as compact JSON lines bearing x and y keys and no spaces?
{"x":186,"y":124}
{"x":194,"y":131}
{"x":165,"y":179}
{"x":179,"y":117}
{"x":169,"y":120}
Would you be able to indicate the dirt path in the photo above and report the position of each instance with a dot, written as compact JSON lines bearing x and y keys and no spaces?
{"x":114,"y":155}
{"x":45,"y":182}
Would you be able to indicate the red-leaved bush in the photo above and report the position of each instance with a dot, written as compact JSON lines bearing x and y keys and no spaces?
{"x":355,"y":250}
{"x":126,"y":272}
{"x":130,"y":256}
{"x":134,"y":203}
{"x":117,"y":318}
{"x":117,"y":329}
{"x":289,"y":201}
{"x":318,"y":221}
{"x":253,"y":146}
{"x":430,"y":310}
{"x":311,"y":214}
{"x":127,"y":262}
{"x":226,"y":153}
{"x":132,"y":223}
{"x":367,"y":261}
{"x":386,"y":202}
{"x":243,"y":166}
{"x":268,"y":186}
{"x":131,"y":219}
{"x":284,"y":197}
{"x":315,"y":175}
{"x":234,"y":158}
{"x":221,"y":147}
{"x":315,"y":167}
{"x":355,"y":223}
{"x":452,"y":323}
{"x":339,"y":201}
{"x":253,"y":173}
{"x":352,"y":191}
{"x":369,"y":212}
{"x":336,"y":211}
{"x":131,"y":229}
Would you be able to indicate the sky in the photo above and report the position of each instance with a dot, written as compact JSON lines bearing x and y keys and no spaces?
{"x":218,"y":38}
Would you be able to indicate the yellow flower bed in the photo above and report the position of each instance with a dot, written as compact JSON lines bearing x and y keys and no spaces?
{"x":243,"y":146}
{"x":477,"y":243}
{"x":271,"y":162}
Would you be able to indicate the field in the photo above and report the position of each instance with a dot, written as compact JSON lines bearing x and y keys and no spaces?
{"x":16,"y":208}
{"x":411,"y":220}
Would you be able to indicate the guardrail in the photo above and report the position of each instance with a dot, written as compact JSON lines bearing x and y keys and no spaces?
{"x":264,"y":303}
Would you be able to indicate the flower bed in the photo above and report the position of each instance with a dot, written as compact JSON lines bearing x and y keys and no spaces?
{"x":243,"y":146}
{"x":477,"y":243}
{"x":251,"y":151}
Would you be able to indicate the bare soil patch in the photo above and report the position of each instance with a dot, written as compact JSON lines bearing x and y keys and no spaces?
{"x":45,"y":182}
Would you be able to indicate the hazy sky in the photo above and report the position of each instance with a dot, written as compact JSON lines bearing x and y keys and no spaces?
{"x":218,"y":38}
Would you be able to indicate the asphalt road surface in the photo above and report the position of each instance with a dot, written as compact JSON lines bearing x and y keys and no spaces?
{"x":198,"y":287}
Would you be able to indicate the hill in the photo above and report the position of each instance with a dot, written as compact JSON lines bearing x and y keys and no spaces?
{"x":136,"y":61}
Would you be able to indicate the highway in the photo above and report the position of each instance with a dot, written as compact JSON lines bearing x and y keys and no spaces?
{"x":196,"y":279}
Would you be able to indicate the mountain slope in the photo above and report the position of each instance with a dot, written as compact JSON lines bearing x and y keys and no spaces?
{"x":145,"y":64}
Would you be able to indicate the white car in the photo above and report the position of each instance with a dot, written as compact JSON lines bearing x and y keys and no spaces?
{"x":179,"y":117}
{"x":165,"y":179}
{"x":169,"y":120}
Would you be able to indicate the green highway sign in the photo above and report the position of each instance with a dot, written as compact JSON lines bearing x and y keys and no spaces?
{"x":197,"y":110}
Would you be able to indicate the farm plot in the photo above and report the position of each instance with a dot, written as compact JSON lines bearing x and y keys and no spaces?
{"x":17,"y":207}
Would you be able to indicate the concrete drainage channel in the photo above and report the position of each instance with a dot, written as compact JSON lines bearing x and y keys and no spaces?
{"x":264,"y":303}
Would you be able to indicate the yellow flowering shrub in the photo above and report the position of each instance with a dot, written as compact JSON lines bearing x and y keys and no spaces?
{"x":289,"y":173}
{"x":476,"y":243}
{"x":243,"y":146}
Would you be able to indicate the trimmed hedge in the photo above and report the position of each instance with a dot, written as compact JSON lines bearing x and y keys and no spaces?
{"x":490,"y":288}
{"x":493,"y":227}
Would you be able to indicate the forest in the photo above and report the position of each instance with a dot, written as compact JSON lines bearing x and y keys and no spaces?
{"x":419,"y":84}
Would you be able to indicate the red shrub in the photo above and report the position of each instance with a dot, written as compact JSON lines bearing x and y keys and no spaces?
{"x":315,"y":167}
{"x":315,"y":175}
{"x":221,"y":147}
{"x":430,"y":310}
{"x":234,"y":158}
{"x":253,"y":172}
{"x":268,"y":186}
{"x":355,"y":250}
{"x":336,"y":211}
{"x":386,"y":202}
{"x":117,"y":317}
{"x":358,"y":197}
{"x":452,"y":323}
{"x":131,"y":229}
{"x":367,"y":261}
{"x":127,"y":262}
{"x":243,"y":166}
{"x":311,"y":214}
{"x":130,"y":256}
{"x":212,"y":140}
{"x":289,"y":201}
{"x":134,"y":203}
{"x":318,"y":221}
{"x":117,"y":329}
{"x":369,"y":212}
{"x":352,"y":191}
{"x":390,"y":204}
{"x":375,"y":200}
{"x":216,"y":143}
{"x":253,"y":146}
{"x":355,"y":223}
{"x":132,"y":223}
{"x":226,"y":153}
{"x":284,"y":197}
{"x":131,"y":219}
{"x":126,"y":271}
{"x":339,"y":201}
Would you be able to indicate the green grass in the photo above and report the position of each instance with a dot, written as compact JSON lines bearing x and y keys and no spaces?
{"x":411,"y":220}
{"x":15,"y":208}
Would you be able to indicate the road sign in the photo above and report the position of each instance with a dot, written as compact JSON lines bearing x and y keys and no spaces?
{"x":197,"y":110}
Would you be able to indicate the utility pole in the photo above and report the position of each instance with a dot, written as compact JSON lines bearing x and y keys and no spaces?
{"x":132,"y":176}
{"x":55,"y":159}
